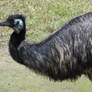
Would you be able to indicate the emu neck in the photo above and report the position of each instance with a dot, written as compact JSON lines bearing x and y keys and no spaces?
{"x":16,"y":39}
{"x":14,"y":42}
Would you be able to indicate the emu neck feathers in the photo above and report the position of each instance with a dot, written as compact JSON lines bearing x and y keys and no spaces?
{"x":15,"y":41}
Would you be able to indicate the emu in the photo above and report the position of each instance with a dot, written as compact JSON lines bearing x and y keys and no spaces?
{"x":65,"y":54}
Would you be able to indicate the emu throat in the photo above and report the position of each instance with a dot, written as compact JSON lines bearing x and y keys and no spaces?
{"x":15,"y":41}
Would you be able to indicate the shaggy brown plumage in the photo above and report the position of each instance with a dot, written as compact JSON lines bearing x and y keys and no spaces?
{"x":65,"y":54}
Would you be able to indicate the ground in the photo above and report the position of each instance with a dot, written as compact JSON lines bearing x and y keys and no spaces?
{"x":17,"y":78}
{"x":42,"y":18}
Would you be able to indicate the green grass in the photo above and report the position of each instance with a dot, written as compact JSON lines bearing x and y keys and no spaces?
{"x":44,"y":15}
{"x":42,"y":18}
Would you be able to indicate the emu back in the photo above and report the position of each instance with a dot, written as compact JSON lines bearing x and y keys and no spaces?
{"x":66,"y":53}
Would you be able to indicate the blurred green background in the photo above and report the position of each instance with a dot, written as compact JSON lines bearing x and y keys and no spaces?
{"x":42,"y":18}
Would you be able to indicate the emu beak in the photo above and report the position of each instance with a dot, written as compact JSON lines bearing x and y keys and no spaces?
{"x":4,"y":23}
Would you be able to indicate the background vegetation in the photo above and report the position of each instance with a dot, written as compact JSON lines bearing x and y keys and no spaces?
{"x":42,"y":18}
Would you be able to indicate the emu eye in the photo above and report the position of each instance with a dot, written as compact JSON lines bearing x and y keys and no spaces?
{"x":18,"y":22}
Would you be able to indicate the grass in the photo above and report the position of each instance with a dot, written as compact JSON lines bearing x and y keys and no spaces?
{"x":43,"y":17}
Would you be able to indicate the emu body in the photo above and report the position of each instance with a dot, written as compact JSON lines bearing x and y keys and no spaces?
{"x":65,"y":54}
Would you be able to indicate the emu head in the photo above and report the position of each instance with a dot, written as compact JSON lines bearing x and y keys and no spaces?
{"x":17,"y":22}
